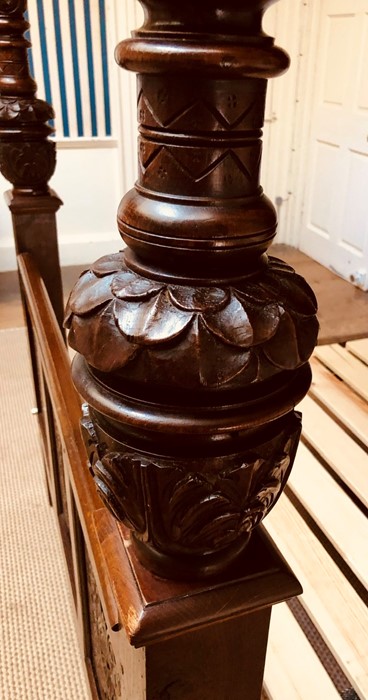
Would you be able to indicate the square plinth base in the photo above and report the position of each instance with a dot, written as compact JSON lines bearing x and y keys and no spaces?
{"x":203,"y":640}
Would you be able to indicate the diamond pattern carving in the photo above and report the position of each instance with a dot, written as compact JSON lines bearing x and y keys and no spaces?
{"x":219,"y":111}
{"x":203,"y":172}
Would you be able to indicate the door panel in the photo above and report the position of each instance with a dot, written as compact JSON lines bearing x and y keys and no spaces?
{"x":335,"y":217}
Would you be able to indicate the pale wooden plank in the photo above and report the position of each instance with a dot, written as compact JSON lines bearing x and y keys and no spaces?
{"x":334,"y":512}
{"x":335,"y":608}
{"x":339,"y":450}
{"x":134,"y":664}
{"x":293,"y":670}
{"x":346,"y":366}
{"x":340,"y":400}
{"x":359,"y":348}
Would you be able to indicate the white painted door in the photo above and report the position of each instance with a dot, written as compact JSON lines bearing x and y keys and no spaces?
{"x":335,"y":216}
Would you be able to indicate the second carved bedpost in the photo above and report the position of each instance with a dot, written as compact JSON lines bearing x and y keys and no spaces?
{"x":27,"y":155}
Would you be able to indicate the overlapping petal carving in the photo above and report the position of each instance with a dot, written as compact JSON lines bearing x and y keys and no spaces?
{"x":202,"y":335}
{"x":31,"y":110}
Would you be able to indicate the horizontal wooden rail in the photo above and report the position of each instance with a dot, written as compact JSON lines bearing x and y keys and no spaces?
{"x":67,"y":409}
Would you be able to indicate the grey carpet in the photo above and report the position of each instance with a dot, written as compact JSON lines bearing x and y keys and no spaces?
{"x":39,"y":654}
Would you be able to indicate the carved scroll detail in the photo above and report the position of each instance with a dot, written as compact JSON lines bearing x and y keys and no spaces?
{"x":198,"y":505}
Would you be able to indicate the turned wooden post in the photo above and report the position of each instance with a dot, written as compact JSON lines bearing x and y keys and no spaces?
{"x":27,"y":156}
{"x":193,"y":349}
{"x":193,"y":343}
{"x":27,"y":160}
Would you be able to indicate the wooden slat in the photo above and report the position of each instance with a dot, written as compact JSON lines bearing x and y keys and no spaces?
{"x":340,"y":401}
{"x":346,"y":366}
{"x":335,"y":424}
{"x":339,"y":450}
{"x":293,"y":670}
{"x":337,"y":516}
{"x":359,"y":348}
{"x":334,"y":607}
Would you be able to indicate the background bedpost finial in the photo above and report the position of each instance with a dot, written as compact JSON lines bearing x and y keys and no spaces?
{"x":27,"y":157}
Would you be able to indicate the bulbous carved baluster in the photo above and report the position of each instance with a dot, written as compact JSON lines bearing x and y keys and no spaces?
{"x":193,"y":342}
{"x":27,"y":156}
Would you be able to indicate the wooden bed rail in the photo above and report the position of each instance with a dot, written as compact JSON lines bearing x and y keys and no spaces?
{"x":73,"y":499}
{"x":66,"y":405}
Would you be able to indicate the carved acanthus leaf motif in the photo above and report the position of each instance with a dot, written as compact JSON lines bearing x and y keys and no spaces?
{"x":207,"y":511}
{"x":117,"y":477}
{"x":27,"y":165}
{"x":119,"y":482}
{"x":198,"y":510}
{"x":245,"y":326}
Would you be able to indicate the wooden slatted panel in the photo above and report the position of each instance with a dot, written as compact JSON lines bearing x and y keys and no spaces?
{"x":346,"y":366}
{"x":340,"y":401}
{"x":336,"y":515}
{"x":334,"y":607}
{"x":306,"y":678}
{"x":359,"y":348}
{"x":338,"y":449}
{"x":335,"y":427}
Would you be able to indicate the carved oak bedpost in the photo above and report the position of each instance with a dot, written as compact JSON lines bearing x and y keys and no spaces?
{"x":27,"y":160}
{"x":27,"y":156}
{"x":193,"y":349}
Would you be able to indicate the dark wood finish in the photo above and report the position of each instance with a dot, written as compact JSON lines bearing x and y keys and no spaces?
{"x":153,"y":609}
{"x":11,"y":312}
{"x":222,"y":661}
{"x":83,"y":500}
{"x":195,"y":342}
{"x":27,"y":160}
